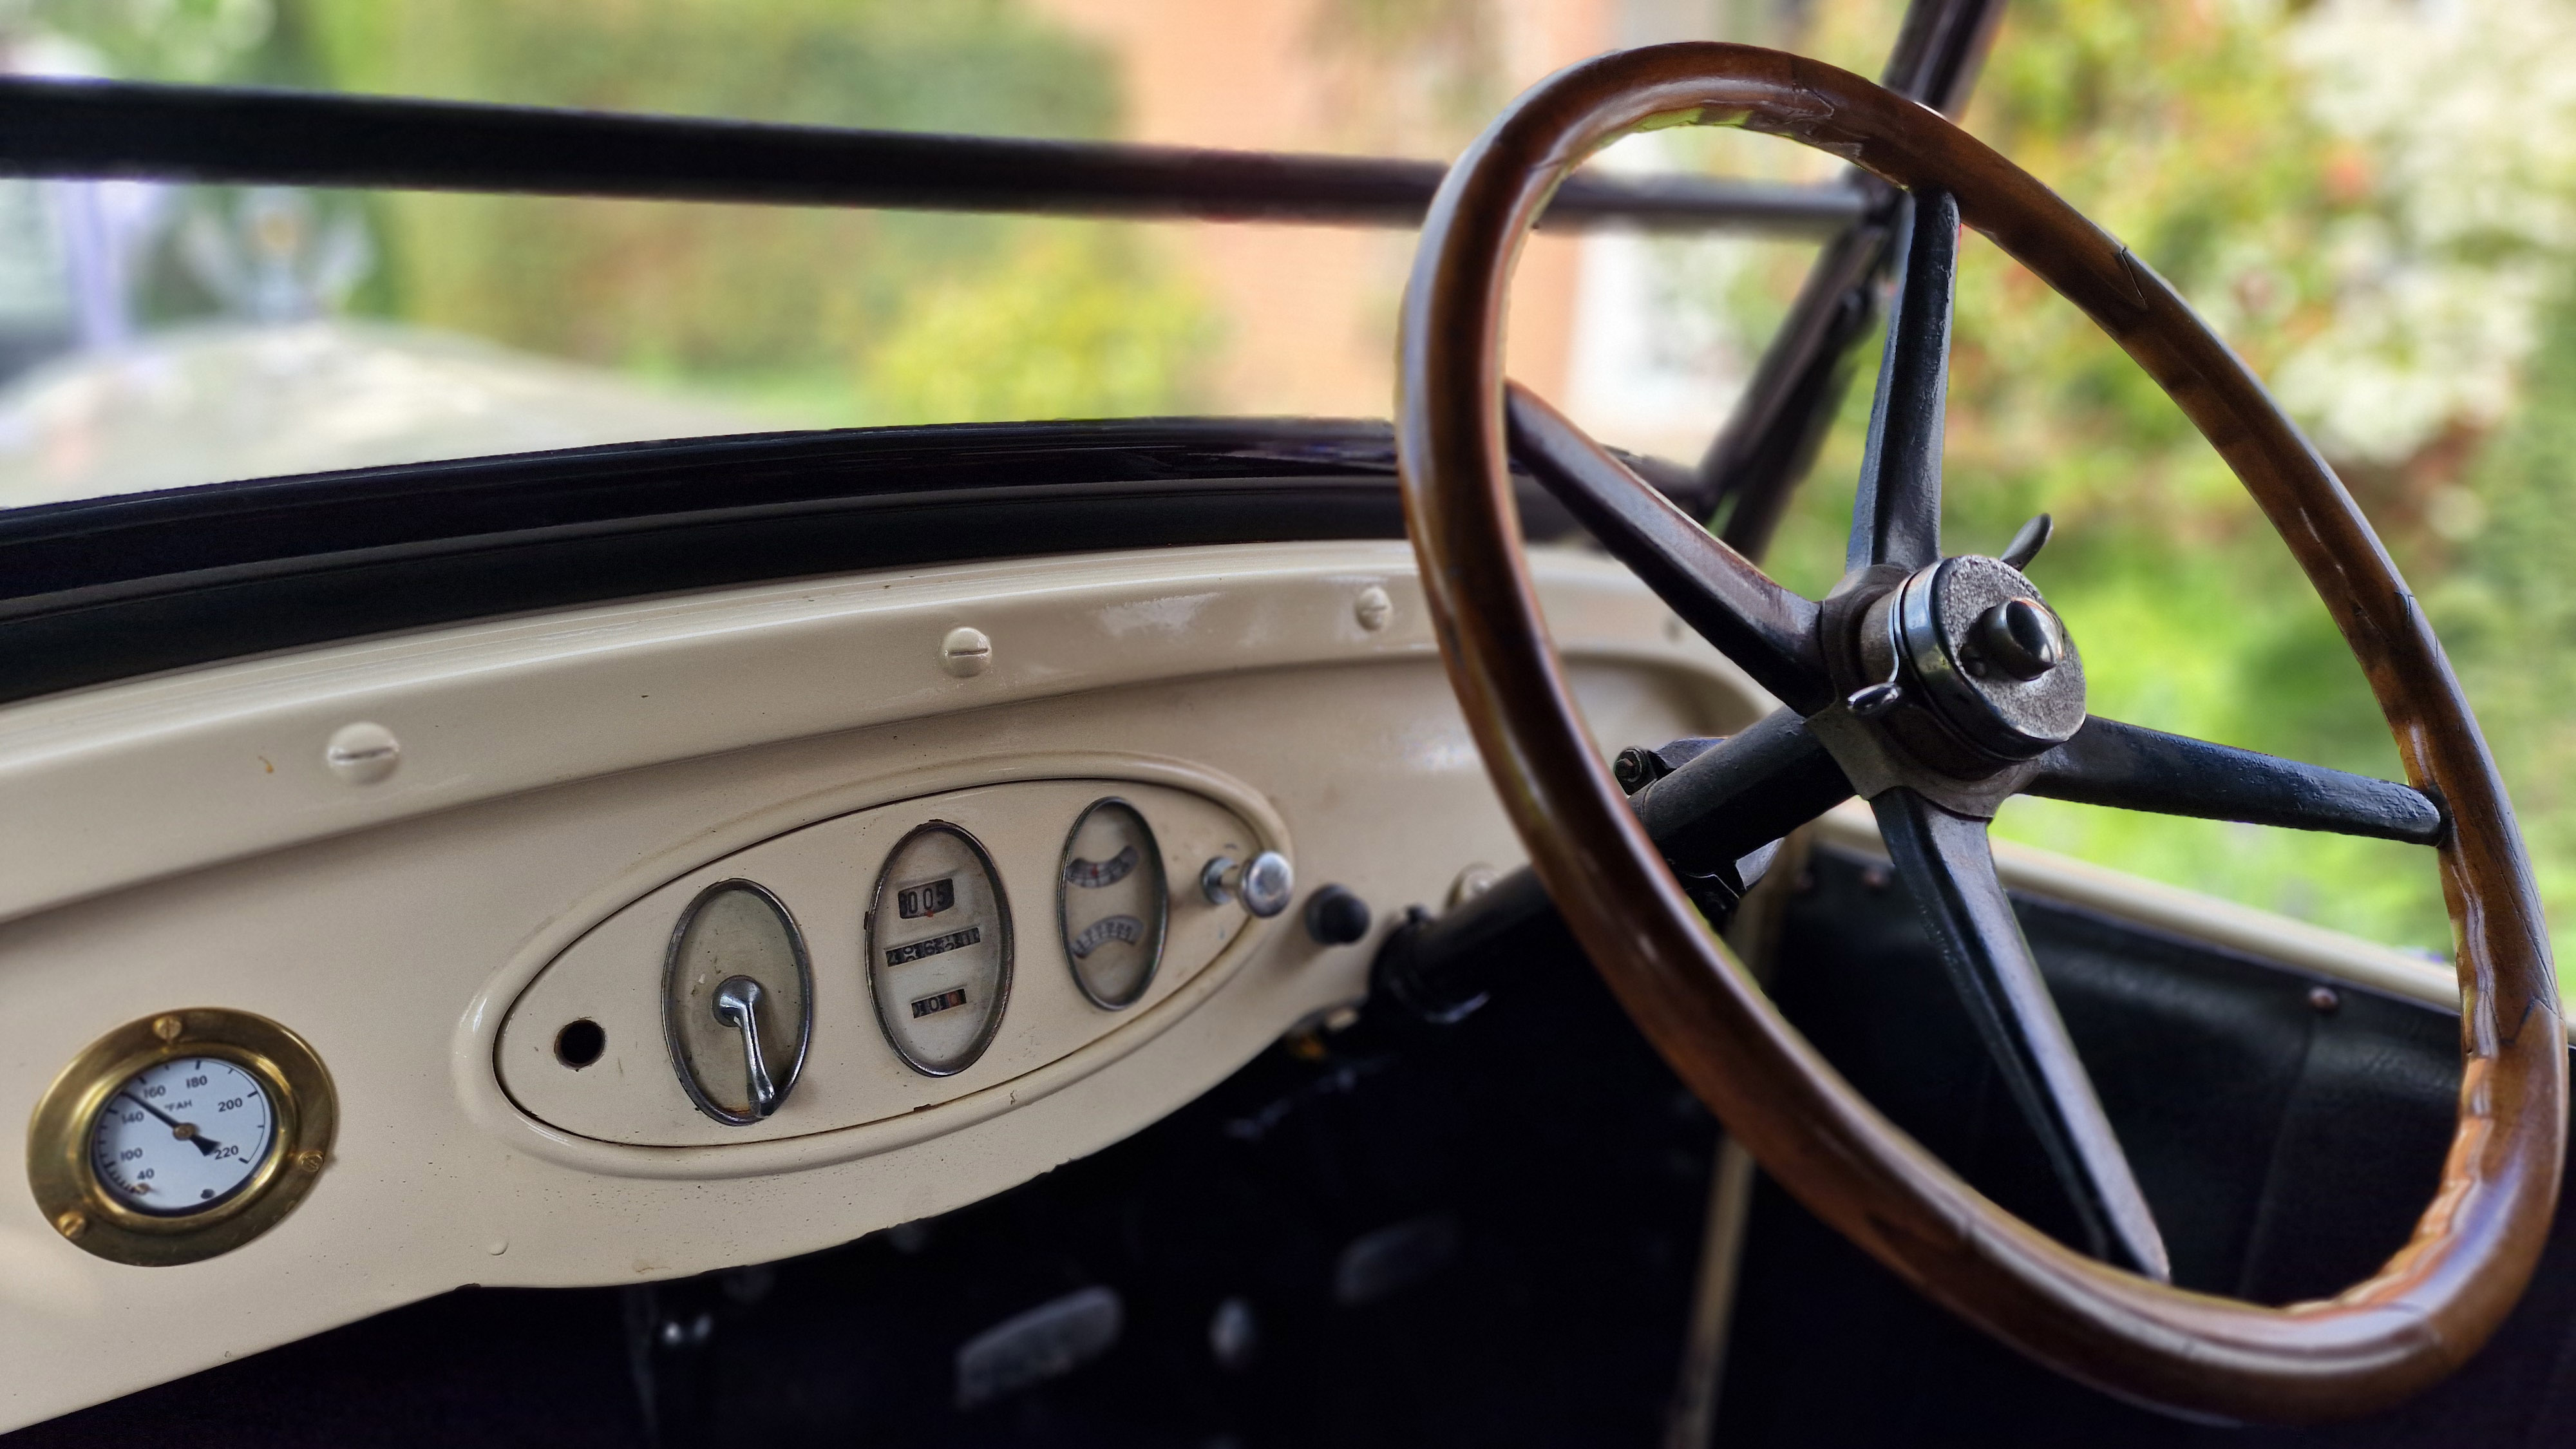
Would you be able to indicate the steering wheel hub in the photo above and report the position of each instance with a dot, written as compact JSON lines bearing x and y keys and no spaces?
{"x":1973,"y":640}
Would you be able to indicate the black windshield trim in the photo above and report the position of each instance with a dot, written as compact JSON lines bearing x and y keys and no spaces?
{"x":249,"y":136}
{"x":110,"y":588}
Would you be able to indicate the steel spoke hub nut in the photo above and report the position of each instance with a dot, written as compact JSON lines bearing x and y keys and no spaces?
{"x":1979,"y":648}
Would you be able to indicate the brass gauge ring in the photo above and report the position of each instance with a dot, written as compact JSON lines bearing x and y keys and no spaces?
{"x":180,"y":1136}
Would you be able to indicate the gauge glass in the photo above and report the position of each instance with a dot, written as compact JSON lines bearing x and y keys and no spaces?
{"x":939,"y":949}
{"x":1110,"y":903}
{"x":183,"y":1136}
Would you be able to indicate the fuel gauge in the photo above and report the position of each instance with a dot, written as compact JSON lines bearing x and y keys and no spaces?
{"x":1111,"y":903}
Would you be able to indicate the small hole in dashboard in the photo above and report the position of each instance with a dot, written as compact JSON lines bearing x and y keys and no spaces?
{"x":580,"y":1043}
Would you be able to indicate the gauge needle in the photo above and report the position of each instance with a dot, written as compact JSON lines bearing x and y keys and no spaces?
{"x":184,"y":1131}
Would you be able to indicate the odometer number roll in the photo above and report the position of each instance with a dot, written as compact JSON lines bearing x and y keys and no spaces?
{"x":939,"y":949}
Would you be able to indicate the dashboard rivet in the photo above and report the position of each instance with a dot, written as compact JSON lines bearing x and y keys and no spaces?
{"x":497,"y":1246}
{"x":1373,"y":608}
{"x":362,"y":753}
{"x":168,"y":1027}
{"x":965,"y":652}
{"x":72,"y":1223}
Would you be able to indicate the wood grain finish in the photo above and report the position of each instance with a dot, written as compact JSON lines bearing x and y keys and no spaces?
{"x":2436,"y":1301}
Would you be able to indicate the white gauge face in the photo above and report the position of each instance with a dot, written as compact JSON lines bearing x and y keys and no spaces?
{"x":183,"y":1136}
{"x":1110,"y":903}
{"x":939,"y":949}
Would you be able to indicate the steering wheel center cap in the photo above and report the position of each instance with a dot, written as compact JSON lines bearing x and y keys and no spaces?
{"x":1989,"y":656}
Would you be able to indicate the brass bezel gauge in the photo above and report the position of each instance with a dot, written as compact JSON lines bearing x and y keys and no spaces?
{"x":86,"y":1212}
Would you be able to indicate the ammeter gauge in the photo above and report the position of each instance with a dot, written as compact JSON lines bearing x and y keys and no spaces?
{"x":1111,"y":903}
{"x":180,"y":1136}
{"x":939,"y":949}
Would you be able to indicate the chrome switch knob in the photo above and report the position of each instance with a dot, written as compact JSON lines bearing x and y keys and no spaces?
{"x":737,"y":1002}
{"x":1264,"y":882}
{"x":737,"y":1005}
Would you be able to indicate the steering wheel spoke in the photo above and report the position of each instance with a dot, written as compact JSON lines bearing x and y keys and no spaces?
{"x":1949,"y":870}
{"x":2133,"y":768}
{"x":1896,"y":519}
{"x":1763,"y":627}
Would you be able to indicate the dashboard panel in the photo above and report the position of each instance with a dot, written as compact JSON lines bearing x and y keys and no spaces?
{"x":392,"y":880}
{"x":428,"y":856}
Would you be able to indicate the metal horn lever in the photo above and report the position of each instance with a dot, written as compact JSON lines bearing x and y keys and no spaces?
{"x":2026,"y":544}
{"x":737,"y":1004}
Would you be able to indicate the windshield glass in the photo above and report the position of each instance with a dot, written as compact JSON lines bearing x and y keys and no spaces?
{"x":2367,"y":197}
{"x":160,"y":336}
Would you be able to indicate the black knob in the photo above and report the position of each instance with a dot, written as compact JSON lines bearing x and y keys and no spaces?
{"x":1335,"y":917}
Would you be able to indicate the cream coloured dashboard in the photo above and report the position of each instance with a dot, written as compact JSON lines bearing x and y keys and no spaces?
{"x":504,"y":849}
{"x":560,"y":786}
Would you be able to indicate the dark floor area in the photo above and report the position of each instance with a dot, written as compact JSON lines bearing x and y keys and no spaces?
{"x":2287,"y":1141}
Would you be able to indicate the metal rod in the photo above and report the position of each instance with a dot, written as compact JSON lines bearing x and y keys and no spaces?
{"x":53,"y":128}
{"x":1776,"y":428}
{"x":1725,"y":802}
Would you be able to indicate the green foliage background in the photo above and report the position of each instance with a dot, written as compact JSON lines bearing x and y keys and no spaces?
{"x":2178,"y":128}
{"x":817,"y":317}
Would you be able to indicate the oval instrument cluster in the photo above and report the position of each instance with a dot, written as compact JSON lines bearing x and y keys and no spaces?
{"x":869,"y":966}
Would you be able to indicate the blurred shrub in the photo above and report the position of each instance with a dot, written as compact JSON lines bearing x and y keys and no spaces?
{"x":791,"y":305}
{"x":1075,"y":324}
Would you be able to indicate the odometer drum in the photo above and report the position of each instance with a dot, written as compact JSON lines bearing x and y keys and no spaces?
{"x":939,"y":949}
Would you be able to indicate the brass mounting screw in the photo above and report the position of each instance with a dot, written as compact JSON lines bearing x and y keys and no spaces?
{"x":72,"y":1223}
{"x":168,"y":1027}
{"x":308,"y":1162}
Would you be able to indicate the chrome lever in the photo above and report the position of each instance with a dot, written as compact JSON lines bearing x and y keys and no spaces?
{"x":737,"y":1004}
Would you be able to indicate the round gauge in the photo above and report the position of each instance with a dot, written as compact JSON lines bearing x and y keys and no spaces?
{"x":183,"y":1135}
{"x":1111,"y":903}
{"x":180,"y":1136}
{"x":939,"y":949}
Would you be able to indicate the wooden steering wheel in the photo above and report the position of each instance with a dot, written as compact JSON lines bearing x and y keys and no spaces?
{"x":1937,"y":687}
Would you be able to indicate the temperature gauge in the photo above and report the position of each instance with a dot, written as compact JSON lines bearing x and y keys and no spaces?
{"x":183,"y":1136}
{"x":939,"y":949}
{"x":1111,"y":903}
{"x":180,"y":1136}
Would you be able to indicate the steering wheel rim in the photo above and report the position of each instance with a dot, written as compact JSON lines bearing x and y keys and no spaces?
{"x":2474,"y":1249}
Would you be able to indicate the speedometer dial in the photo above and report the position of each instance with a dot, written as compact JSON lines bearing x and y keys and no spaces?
{"x":939,"y":949}
{"x":183,"y":1136}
